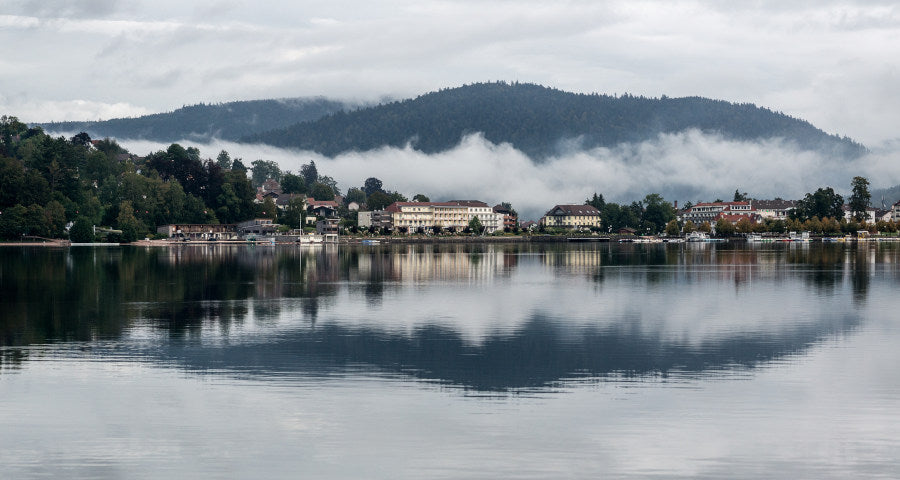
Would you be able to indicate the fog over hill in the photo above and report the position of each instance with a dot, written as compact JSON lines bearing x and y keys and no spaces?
{"x":763,"y":153}
{"x":687,"y":166}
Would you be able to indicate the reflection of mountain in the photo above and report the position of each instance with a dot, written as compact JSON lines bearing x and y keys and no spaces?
{"x":540,"y":354}
{"x":412,"y":309}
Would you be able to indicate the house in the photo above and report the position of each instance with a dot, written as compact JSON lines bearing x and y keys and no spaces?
{"x":709,"y":212}
{"x":848,"y":213}
{"x":257,"y":226}
{"x":378,"y":219}
{"x":895,"y":212}
{"x":571,"y":216}
{"x":454,"y":215}
{"x":321,"y":208}
{"x":510,"y":219}
{"x":777,"y":209}
{"x":199,"y":231}
{"x":327,"y":226}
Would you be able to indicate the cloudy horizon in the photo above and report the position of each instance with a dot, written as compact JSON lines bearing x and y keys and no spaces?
{"x":830,"y":63}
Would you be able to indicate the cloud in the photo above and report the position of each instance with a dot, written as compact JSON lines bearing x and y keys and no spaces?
{"x":687,"y":166}
{"x":832,"y":63}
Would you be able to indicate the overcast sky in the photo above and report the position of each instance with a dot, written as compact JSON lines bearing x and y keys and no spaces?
{"x":832,"y":63}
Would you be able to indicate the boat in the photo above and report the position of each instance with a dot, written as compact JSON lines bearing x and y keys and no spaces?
{"x":697,"y":237}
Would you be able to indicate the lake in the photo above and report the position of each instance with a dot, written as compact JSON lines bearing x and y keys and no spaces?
{"x":451,"y":361}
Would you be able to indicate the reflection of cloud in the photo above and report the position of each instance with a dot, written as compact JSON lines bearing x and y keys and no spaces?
{"x":687,"y":166}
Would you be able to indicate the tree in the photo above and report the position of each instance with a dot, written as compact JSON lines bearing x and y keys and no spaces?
{"x":263,"y":170}
{"x":744,"y":225}
{"x":238,"y":166}
{"x":672,"y":228}
{"x":291,"y":183}
{"x":705,"y":227}
{"x":267,"y":209}
{"x":310,"y":173}
{"x":128,"y":223}
{"x":224,"y":160}
{"x":372,"y":185}
{"x":320,"y":191}
{"x":822,"y":203}
{"x":724,"y":227}
{"x":82,"y":231}
{"x":657,"y":212}
{"x":740,"y":197}
{"x":378,"y":201}
{"x":689,"y":227}
{"x":82,"y":139}
{"x":475,"y":225}
{"x":420,"y":198}
{"x":859,"y":198}
{"x":596,"y":201}
{"x":294,"y":213}
{"x":355,"y":194}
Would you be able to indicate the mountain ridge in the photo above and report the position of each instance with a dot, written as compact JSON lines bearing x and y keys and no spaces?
{"x":540,"y":121}
{"x":202,"y":122}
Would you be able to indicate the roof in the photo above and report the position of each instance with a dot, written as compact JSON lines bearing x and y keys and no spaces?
{"x":720,"y":204}
{"x":313,"y":203}
{"x":733,"y":217}
{"x":395,"y":207}
{"x":572,"y":210}
{"x":776,"y":204}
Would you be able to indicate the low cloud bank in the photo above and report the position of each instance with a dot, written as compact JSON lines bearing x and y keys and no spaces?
{"x":687,"y":166}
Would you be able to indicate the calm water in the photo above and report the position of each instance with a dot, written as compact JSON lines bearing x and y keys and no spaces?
{"x":451,"y":361}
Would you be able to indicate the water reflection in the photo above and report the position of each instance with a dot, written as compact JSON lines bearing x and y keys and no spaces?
{"x":484,"y":317}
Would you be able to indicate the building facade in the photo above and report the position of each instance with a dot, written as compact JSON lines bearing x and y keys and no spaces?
{"x":575,"y":217}
{"x":454,"y":215}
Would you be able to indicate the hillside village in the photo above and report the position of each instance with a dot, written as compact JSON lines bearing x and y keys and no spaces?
{"x":90,"y":190}
{"x":324,"y":220}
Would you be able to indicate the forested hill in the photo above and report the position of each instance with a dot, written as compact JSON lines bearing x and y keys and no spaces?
{"x":228,"y":121}
{"x":540,"y":121}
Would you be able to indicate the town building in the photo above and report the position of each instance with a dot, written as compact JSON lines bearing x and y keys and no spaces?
{"x":377,"y":219}
{"x":454,"y":215}
{"x":257,"y":227}
{"x":710,"y":212}
{"x":777,"y":209}
{"x":199,"y":231}
{"x":510,"y":218}
{"x":572,"y":216}
{"x":870,"y":214}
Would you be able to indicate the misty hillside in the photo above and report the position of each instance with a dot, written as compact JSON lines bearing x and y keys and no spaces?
{"x":228,"y":121}
{"x":540,"y":121}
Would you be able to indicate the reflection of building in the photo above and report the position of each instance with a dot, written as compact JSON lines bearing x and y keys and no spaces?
{"x":572,"y":216}
{"x":199,"y":231}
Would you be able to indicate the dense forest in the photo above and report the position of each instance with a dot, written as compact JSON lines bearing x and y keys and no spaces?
{"x":47,"y":183}
{"x":228,"y":121}
{"x":542,"y":122}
